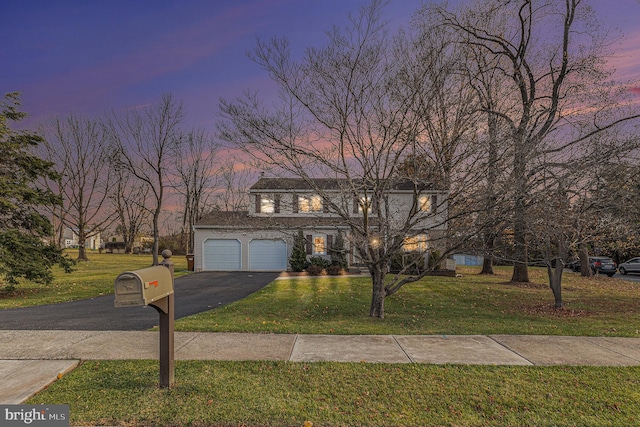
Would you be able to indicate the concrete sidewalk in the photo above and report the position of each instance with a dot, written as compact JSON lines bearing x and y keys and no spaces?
{"x":30,"y":360}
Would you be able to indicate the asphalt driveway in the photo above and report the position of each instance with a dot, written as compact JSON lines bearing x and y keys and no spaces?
{"x":194,"y":293}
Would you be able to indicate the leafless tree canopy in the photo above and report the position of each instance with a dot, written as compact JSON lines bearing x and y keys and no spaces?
{"x":356,"y":109}
{"x":194,"y":179}
{"x":143,"y":142}
{"x":548,"y":60}
{"x":504,"y":101}
{"x":76,"y":146}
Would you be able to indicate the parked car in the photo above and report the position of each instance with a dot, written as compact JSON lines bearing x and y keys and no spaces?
{"x":598,"y":264}
{"x":574,"y":265}
{"x":631,"y":266}
{"x":602,"y":265}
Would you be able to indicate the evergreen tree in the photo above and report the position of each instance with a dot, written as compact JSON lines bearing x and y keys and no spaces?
{"x":298,"y":260}
{"x":23,"y":229}
{"x":338,"y":253}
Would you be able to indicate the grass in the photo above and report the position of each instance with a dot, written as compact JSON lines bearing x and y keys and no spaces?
{"x":472,"y":304}
{"x":346,"y":394}
{"x":211,"y":393}
{"x":88,"y":280}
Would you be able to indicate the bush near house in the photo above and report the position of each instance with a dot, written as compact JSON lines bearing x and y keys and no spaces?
{"x":298,"y":259}
{"x":115,"y":247}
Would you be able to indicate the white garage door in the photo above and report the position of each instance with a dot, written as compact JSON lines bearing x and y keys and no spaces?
{"x":222,"y":255}
{"x":267,"y":255}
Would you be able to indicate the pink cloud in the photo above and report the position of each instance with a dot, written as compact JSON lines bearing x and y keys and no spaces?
{"x":635,"y":90}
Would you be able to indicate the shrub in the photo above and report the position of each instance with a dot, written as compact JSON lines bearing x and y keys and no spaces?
{"x":319,"y":261}
{"x":298,"y":259}
{"x":334,"y":270}
{"x":434,"y":256}
{"x":314,"y":270}
{"x":338,"y":253}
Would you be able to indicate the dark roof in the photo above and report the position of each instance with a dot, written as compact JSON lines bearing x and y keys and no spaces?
{"x":326,"y":184}
{"x":242,"y":220}
{"x":298,"y":184}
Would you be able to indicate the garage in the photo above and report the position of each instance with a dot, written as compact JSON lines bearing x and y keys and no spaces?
{"x":222,"y":255}
{"x":267,"y":255}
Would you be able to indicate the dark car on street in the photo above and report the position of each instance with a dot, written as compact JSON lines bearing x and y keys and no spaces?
{"x":574,"y":265}
{"x":631,"y":266}
{"x":602,"y":265}
{"x":598,"y":264}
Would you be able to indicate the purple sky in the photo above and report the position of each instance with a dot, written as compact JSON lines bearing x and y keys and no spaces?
{"x":87,"y":57}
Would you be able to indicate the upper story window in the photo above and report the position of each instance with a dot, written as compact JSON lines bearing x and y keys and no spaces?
{"x":267,"y":203}
{"x":309,"y":203}
{"x":417,"y":243}
{"x":424,"y":203}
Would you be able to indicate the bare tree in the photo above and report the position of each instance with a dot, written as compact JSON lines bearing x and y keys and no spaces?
{"x":143,"y":142}
{"x":76,"y":146}
{"x":194,"y":177}
{"x":234,"y":180}
{"x":351,"y":111}
{"x":128,"y":200}
{"x":551,"y":58}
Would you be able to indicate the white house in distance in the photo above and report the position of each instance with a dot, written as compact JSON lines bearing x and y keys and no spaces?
{"x":70,"y":240}
{"x":262,"y":238}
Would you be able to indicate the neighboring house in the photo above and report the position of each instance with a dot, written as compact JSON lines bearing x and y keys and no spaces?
{"x":70,"y":240}
{"x":468,"y":260}
{"x":141,"y":244}
{"x":262,"y":238}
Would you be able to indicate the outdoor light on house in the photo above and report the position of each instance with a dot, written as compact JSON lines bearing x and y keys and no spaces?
{"x":374,"y":241}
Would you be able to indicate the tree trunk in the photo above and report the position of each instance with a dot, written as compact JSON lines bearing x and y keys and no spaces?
{"x":585,"y":269}
{"x":487,"y":263}
{"x":378,"y":294}
{"x":492,"y":173}
{"x":82,"y":252}
{"x":555,"y":281}
{"x":156,"y":221}
{"x":520,"y":255}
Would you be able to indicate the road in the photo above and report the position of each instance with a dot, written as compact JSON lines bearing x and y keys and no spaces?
{"x":629,"y":277}
{"x":194,"y":293}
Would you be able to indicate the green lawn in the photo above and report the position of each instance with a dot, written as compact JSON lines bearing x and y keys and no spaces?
{"x":346,"y":394}
{"x":210,"y":393}
{"x":471,"y":304}
{"x":89,"y":279}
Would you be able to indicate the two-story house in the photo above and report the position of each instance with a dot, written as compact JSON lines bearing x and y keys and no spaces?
{"x":261,"y":239}
{"x":70,"y":239}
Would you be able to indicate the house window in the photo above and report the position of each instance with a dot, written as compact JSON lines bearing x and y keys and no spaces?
{"x":319,"y":245}
{"x":417,"y":243}
{"x":312,"y":203}
{"x":424,"y":203}
{"x":267,"y":203}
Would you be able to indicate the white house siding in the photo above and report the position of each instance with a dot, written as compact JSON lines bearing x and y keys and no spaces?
{"x":400,"y":206}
